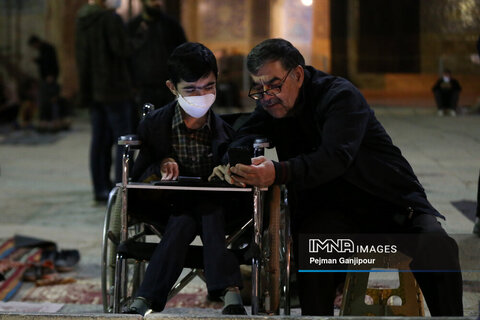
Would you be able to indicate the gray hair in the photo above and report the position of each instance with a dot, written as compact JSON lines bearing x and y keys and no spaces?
{"x":274,"y":50}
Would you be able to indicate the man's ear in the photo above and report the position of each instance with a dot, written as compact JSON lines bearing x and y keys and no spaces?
{"x":171,"y":86}
{"x":298,"y":74}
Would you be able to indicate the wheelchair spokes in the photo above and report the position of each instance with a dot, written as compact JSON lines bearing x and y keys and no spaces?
{"x":133,"y":270}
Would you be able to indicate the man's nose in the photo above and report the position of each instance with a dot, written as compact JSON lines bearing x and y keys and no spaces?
{"x":267,"y":97}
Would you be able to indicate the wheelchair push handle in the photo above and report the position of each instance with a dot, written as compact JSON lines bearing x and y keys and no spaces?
{"x":130,"y":140}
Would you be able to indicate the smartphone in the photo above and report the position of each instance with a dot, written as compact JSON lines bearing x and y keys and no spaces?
{"x":239,"y":155}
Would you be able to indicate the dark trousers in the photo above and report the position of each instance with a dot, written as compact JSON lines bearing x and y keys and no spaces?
{"x":49,"y":109}
{"x":109,"y":122}
{"x":221,"y":266}
{"x":446,"y":99}
{"x":442,"y":290}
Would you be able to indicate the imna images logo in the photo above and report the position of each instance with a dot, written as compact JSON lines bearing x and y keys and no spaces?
{"x":347,"y":246}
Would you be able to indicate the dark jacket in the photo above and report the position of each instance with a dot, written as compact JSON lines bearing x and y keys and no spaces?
{"x":102,"y":51}
{"x":155,"y":133}
{"x":447,"y":87}
{"x":47,"y":61}
{"x":151,"y":49}
{"x":332,"y":138}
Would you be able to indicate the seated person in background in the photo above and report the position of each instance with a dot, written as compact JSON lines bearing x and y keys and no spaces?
{"x":186,"y":138}
{"x":446,"y":91}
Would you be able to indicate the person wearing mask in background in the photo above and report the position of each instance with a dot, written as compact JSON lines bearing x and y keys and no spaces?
{"x":447,"y":91}
{"x":49,"y":90}
{"x":102,"y":54}
{"x":343,"y":173}
{"x":153,"y":36}
{"x":186,"y":138}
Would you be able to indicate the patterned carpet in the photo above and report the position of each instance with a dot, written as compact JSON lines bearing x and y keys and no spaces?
{"x":80,"y":292}
{"x":193,"y":296}
{"x":13,"y":264}
{"x":89,"y":292}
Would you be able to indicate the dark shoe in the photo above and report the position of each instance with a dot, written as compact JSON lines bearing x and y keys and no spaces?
{"x":139,"y":305}
{"x":66,"y":260}
{"x":235,"y":309}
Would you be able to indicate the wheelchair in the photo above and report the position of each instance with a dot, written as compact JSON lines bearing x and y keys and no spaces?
{"x":128,"y":245}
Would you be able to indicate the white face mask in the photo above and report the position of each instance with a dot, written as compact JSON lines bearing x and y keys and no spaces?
{"x":446,"y":79}
{"x":196,"y":106}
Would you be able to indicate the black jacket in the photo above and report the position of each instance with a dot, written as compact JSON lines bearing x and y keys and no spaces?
{"x":151,"y":49}
{"x":47,"y":61}
{"x":155,"y":133}
{"x":102,"y":53}
{"x":447,"y":87}
{"x":333,"y":136}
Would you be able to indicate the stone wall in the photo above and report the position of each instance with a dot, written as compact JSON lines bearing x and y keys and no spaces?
{"x":449,"y":30}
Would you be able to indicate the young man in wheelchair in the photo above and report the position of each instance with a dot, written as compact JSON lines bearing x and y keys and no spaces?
{"x":186,"y":138}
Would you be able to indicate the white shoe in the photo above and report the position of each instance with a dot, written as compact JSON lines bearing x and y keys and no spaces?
{"x":452,"y":113}
{"x":440,"y":113}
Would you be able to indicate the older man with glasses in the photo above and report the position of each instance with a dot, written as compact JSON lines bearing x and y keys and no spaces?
{"x":343,"y":173}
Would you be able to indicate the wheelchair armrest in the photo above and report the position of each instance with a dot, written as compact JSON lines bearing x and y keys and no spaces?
{"x":130,"y":140}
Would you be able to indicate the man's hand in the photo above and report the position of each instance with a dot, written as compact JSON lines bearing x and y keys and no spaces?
{"x":169,"y":169}
{"x":222,"y":172}
{"x":260,"y":174}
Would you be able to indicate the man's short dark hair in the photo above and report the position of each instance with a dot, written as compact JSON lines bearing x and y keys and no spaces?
{"x":191,"y":61}
{"x":274,"y":50}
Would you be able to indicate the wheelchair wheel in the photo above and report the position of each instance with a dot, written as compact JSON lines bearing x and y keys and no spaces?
{"x":272,"y":249}
{"x":277,"y":242}
{"x":111,"y":238}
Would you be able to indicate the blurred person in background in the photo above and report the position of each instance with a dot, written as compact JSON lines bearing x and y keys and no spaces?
{"x":153,"y":36}
{"x":49,"y":89}
{"x":446,"y":91}
{"x":9,"y":106}
{"x":102,"y":54}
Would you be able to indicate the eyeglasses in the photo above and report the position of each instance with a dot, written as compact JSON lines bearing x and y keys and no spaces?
{"x":257,"y":92}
